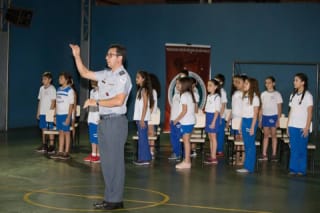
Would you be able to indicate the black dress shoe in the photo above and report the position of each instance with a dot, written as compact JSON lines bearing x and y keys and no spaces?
{"x":100,"y":205}
{"x":111,"y":206}
{"x":108,"y":205}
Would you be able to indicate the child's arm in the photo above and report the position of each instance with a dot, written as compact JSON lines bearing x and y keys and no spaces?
{"x":70,"y":111}
{"x":144,"y":108}
{"x":213,"y":124}
{"x":279,"y":113}
{"x":38,"y":110}
{"x":254,"y":120}
{"x":309,"y":118}
{"x":182,"y":114}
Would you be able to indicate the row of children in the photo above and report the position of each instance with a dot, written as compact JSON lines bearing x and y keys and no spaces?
{"x":253,"y":109}
{"x":63,"y":101}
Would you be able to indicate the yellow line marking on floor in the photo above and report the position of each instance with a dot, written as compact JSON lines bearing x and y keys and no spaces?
{"x":151,"y":204}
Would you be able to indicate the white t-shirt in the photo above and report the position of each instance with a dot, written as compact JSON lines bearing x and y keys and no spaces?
{"x":46,"y":96}
{"x":236,"y":104}
{"x":270,"y":101}
{"x":138,"y":108}
{"x":155,"y":98}
{"x":196,"y":95}
{"x":247,"y":108}
{"x":65,"y":97}
{"x":189,"y":118}
{"x":175,"y":107}
{"x":224,"y":100}
{"x":299,"y":112}
{"x":213,"y":103}
{"x":93,"y":115}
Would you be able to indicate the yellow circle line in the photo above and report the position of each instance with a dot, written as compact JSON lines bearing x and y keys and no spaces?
{"x":27,"y":199}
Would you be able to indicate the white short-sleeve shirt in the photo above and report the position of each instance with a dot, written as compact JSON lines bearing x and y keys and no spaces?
{"x":299,"y":112}
{"x":189,"y":118}
{"x":65,"y":97}
{"x":236,"y":105}
{"x":270,"y":101}
{"x":155,"y":98}
{"x":224,"y":100}
{"x":175,"y":107}
{"x":213,"y":103}
{"x":138,"y":108}
{"x":46,"y":96}
{"x":93,"y":115}
{"x":247,"y":108}
{"x":112,"y":83}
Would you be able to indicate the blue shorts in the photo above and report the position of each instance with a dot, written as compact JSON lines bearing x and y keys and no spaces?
{"x":269,"y":120}
{"x":93,"y":134}
{"x":209,"y":118}
{"x":60,"y":119}
{"x":187,"y":129}
{"x":43,"y":124}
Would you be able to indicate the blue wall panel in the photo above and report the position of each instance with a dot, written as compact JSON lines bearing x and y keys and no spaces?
{"x":41,"y":47}
{"x":259,"y":32}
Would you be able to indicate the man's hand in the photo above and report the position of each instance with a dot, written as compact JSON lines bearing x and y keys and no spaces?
{"x":75,"y":49}
{"x":90,"y":102}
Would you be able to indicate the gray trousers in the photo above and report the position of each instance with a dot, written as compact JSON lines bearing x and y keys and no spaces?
{"x":112,"y":135}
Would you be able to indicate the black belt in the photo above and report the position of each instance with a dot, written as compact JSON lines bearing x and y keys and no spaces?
{"x":105,"y":117}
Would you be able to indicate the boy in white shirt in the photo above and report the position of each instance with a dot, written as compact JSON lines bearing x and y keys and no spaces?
{"x":47,"y":99}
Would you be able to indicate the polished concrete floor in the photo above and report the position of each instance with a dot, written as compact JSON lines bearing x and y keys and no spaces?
{"x":31,"y":182}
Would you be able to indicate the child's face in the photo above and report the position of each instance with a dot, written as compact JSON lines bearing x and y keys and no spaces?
{"x":178,"y":86}
{"x":235,"y":82}
{"x":297,"y":83}
{"x":62,"y":80}
{"x":240,"y":84}
{"x":211,"y":87}
{"x":139,"y":79}
{"x":46,"y":81}
{"x":246,"y":86}
{"x":269,"y":84}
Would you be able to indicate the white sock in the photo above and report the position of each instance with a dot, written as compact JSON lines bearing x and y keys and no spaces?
{"x":94,"y":154}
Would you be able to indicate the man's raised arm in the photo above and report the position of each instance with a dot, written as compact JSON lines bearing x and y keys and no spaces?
{"x":82,"y":69}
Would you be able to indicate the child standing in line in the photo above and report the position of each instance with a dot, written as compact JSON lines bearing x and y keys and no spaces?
{"x":249,"y":122}
{"x":197,"y":98}
{"x":156,"y":94}
{"x":144,"y":101}
{"x":47,"y":100}
{"x":212,"y":109}
{"x":271,"y":102}
{"x":175,"y":129}
{"x":186,"y":118}
{"x":64,"y":109}
{"x":299,"y":122}
{"x":220,"y":134}
{"x":93,"y":120}
{"x":236,"y":111}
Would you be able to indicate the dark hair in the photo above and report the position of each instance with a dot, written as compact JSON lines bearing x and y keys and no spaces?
{"x":216,"y":83}
{"x":184,"y":72}
{"x":243,"y":77}
{"x":155,"y":83}
{"x":47,"y":75}
{"x":146,"y":86}
{"x":220,"y":78}
{"x":253,"y":89}
{"x":193,"y":80}
{"x":121,"y":51}
{"x":67,"y":76}
{"x":304,"y":78}
{"x":272,"y":79}
{"x":186,"y":86}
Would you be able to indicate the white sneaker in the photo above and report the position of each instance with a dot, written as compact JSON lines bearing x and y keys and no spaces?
{"x":243,"y":170}
{"x":193,"y":154}
{"x":183,"y":165}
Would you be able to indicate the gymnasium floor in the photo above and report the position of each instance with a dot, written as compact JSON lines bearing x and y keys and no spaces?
{"x":31,"y":182}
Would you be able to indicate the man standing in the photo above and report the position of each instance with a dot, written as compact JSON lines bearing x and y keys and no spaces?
{"x":114,"y":88}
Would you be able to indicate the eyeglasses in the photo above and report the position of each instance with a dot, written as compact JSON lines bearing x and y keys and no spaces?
{"x":109,"y":55}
